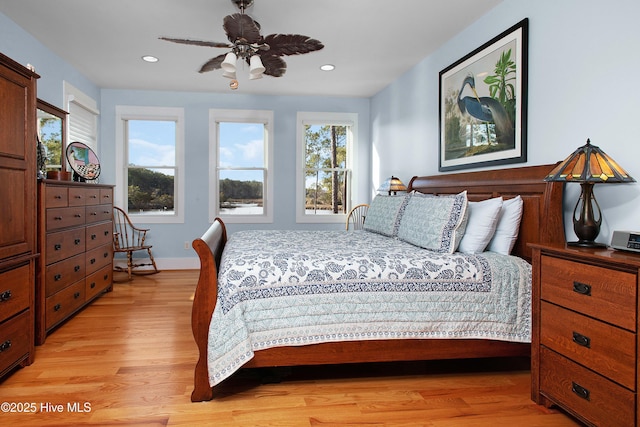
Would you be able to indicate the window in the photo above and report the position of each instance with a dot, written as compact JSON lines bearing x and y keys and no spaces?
{"x":150,"y":163}
{"x":325,"y":151}
{"x":241,"y":163}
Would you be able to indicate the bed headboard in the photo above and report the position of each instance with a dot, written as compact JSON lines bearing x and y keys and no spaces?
{"x":542,"y":216}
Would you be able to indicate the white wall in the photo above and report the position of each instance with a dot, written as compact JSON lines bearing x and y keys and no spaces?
{"x":583,"y":63}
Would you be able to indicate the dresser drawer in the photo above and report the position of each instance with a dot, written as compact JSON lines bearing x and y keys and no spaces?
{"x":14,"y":339}
{"x":98,"y":213}
{"x":84,"y":196}
{"x":65,"y":217}
{"x":106,"y":196}
{"x":599,"y":346}
{"x":99,"y":234}
{"x":56,"y":197}
{"x":60,"y":305}
{"x":63,"y":273}
{"x":98,"y":281}
{"x":584,"y":392}
{"x":63,"y":244}
{"x":606,"y":294}
{"x":15,"y":291}
{"x":98,"y":258}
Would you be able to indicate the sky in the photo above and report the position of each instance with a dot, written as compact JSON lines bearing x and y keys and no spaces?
{"x":152,"y":143}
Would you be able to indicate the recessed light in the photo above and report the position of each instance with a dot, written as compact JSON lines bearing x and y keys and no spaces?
{"x":150,"y":58}
{"x":327,"y":67}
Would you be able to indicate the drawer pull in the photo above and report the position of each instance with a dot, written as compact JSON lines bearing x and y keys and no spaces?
{"x":57,"y":307}
{"x":57,"y":196}
{"x":77,"y":241}
{"x":105,"y":255}
{"x":76,"y":268}
{"x":93,"y":196}
{"x":581,"y":340}
{"x":57,"y":277}
{"x":105,"y":277}
{"x":5,"y":346}
{"x":57,"y":218}
{"x":92,"y":261}
{"x":76,"y":295}
{"x":582,"y":288}
{"x":94,"y":214}
{"x":57,"y":247}
{"x":94,"y":236}
{"x":5,"y":296}
{"x":78,"y":215}
{"x":580,"y":391}
{"x":106,"y":232}
{"x":92,"y":285}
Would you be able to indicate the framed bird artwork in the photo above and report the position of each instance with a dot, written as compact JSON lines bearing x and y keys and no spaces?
{"x":483,"y":104}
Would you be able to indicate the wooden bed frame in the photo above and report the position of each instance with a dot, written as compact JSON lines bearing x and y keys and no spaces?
{"x":542,"y":222}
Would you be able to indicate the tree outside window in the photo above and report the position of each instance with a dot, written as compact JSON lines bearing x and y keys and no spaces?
{"x":326,"y":175}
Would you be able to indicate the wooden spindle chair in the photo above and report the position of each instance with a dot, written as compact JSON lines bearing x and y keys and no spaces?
{"x":356,"y":217}
{"x":128,"y":238}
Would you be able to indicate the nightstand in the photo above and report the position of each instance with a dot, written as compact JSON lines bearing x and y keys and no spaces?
{"x":584,"y":350}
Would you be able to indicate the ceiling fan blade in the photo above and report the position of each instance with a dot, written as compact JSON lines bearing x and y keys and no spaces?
{"x":291,"y":44}
{"x":196,"y":42}
{"x":274,"y":65}
{"x":213,"y":64}
{"x":241,"y":26}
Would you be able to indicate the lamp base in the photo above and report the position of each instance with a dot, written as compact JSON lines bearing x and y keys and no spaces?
{"x":587,"y":244}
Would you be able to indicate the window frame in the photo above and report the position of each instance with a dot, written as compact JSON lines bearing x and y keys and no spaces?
{"x":324,"y":118}
{"x":264,"y":117}
{"x":129,"y":112}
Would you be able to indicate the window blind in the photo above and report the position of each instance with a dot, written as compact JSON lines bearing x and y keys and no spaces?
{"x":82,"y":125}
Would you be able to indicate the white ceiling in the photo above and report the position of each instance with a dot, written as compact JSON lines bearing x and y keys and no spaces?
{"x":371,"y":42}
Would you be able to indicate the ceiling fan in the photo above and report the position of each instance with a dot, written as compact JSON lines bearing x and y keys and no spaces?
{"x":263,"y":54}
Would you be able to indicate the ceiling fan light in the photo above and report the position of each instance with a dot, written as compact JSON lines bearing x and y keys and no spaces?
{"x":255,"y":66}
{"x":229,"y":74}
{"x":255,"y":76}
{"x":229,"y":63}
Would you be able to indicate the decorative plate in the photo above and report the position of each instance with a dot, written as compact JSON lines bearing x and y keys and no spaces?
{"x":83,"y":161}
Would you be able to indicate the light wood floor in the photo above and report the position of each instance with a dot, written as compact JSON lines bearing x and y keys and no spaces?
{"x":130,"y":356}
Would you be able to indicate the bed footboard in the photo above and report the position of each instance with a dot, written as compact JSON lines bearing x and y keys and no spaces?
{"x":209,"y":248}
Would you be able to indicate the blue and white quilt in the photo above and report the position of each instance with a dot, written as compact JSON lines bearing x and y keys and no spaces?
{"x":289,"y":288}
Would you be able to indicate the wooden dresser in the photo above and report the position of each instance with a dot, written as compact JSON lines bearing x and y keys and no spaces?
{"x":585,"y":333}
{"x":18,"y":249}
{"x":76,"y":249}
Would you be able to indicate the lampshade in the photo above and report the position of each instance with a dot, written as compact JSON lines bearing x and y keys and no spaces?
{"x":229,"y":63}
{"x":392,"y":184}
{"x":588,"y":165}
{"x":255,"y":67}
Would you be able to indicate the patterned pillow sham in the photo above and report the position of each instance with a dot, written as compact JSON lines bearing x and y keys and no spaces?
{"x":384,"y":213}
{"x":434,"y":222}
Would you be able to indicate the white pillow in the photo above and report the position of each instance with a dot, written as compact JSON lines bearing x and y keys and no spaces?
{"x":483,"y":218}
{"x":508,"y":226}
